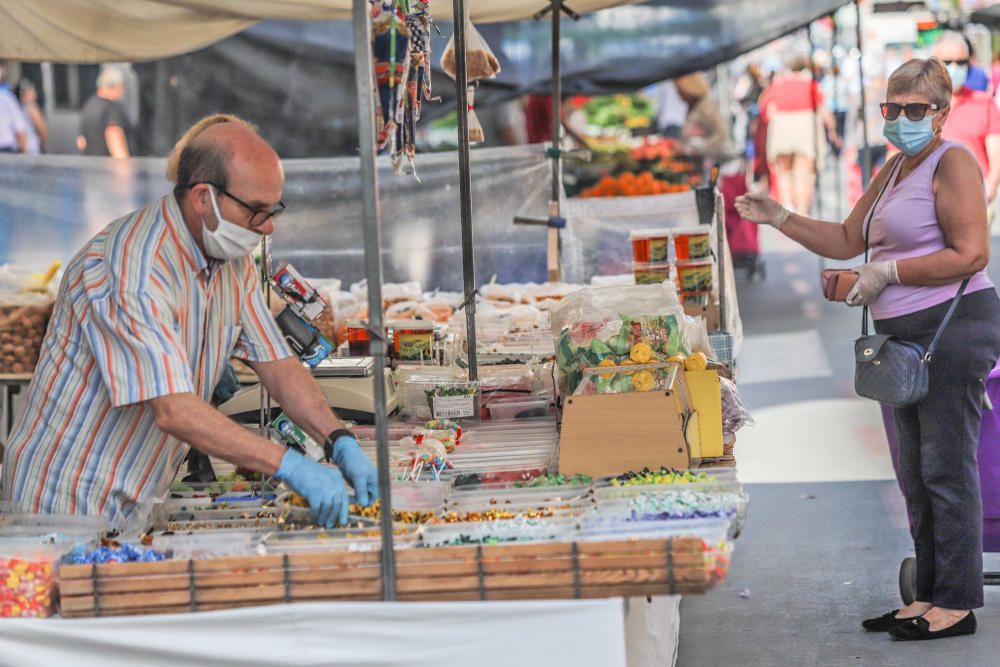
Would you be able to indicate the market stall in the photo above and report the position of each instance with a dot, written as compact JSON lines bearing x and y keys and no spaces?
{"x":459,"y":494}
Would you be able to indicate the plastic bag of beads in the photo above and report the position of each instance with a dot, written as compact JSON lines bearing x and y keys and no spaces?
{"x":734,"y":414}
{"x":480,"y":61}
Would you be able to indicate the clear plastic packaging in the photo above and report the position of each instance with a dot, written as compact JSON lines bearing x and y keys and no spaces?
{"x":497,"y":532}
{"x":518,"y":408}
{"x":692,"y":242}
{"x":480,"y":61}
{"x":28,"y":577}
{"x":734,"y":414}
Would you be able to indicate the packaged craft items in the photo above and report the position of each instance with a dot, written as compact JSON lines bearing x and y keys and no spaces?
{"x":27,"y":579}
{"x":426,"y":455}
{"x":479,"y":59}
{"x":627,"y":378}
{"x":401,"y":51}
{"x":310,"y":345}
{"x":650,"y":245}
{"x":293,"y":436}
{"x":620,"y":325}
{"x":297,"y":291}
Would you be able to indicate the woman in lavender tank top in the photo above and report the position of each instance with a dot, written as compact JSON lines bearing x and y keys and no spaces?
{"x":928,"y":232}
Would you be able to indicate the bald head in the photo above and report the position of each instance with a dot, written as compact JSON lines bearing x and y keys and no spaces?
{"x":226,"y":153}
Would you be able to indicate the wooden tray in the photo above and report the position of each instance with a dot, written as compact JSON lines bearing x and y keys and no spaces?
{"x":493,"y":572}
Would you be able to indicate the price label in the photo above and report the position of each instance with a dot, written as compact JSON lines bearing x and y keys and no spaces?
{"x":454,"y":407}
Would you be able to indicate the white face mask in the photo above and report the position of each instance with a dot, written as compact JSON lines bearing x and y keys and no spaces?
{"x":229,"y":240}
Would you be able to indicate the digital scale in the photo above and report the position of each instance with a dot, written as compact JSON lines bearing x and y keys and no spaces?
{"x":347,"y":385}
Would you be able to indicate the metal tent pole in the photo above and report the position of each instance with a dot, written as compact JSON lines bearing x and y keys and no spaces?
{"x":465,"y":184}
{"x":371,"y":218}
{"x":554,"y":259}
{"x":836,"y":96}
{"x":866,"y":156}
{"x":817,"y":139}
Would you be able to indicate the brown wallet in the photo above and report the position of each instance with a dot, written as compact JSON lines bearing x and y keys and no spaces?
{"x":837,"y":283}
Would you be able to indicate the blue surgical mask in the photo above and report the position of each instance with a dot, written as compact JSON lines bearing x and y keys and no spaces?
{"x":958,"y":74}
{"x":909,"y":136}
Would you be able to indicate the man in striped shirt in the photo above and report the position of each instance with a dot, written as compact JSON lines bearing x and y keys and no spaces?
{"x":148,"y":313}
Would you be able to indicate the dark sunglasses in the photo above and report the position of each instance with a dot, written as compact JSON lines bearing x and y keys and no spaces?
{"x":914,"y":110}
{"x":956,"y":62}
{"x":258,"y":216}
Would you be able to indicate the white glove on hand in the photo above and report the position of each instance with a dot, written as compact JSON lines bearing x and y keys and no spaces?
{"x":872,"y":279}
{"x":757,"y":207}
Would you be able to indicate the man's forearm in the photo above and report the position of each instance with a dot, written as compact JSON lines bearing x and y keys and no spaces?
{"x":295,"y":389}
{"x":192,"y":420}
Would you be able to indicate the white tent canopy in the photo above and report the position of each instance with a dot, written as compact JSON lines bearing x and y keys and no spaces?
{"x":133,"y":30}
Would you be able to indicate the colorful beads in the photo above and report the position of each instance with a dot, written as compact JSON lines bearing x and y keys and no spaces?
{"x":556,"y":480}
{"x":26,"y":588}
{"x":113,"y":552}
{"x":663,"y":476}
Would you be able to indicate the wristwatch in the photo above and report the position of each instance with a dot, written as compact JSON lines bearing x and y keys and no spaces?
{"x":332,"y":439}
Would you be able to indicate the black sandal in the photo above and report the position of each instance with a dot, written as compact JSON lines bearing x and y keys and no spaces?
{"x":885,"y":622}
{"x":918,"y":629}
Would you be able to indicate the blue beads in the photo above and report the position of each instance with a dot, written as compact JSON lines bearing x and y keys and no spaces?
{"x":125,"y":553}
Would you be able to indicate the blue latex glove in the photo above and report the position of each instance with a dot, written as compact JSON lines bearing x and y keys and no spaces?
{"x":347,"y":456}
{"x":321,"y":485}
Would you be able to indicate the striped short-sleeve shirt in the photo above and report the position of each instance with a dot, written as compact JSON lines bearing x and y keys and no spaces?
{"x":140,"y":314}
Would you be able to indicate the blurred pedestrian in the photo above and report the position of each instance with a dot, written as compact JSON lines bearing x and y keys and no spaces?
{"x":103,"y":124}
{"x":924,"y":215}
{"x":13,"y":122}
{"x":977,"y":78}
{"x":796,"y":118}
{"x":704,"y":131}
{"x":974,"y":120}
{"x":836,"y":97}
{"x":38,"y":129}
{"x":671,"y":110}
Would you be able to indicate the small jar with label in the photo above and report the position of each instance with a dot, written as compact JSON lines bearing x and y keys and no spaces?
{"x":413,"y":340}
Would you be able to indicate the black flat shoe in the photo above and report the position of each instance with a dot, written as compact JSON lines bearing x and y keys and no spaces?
{"x":885,"y":622}
{"x":918,"y":629}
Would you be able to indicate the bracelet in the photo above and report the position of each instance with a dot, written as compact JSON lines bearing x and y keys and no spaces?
{"x":331,"y":440}
{"x":782,"y":218}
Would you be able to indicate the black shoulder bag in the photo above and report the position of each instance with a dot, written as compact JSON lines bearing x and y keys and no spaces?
{"x":887,"y":369}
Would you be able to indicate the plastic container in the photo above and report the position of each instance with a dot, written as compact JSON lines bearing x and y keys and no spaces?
{"x":518,"y":408}
{"x":497,"y":532}
{"x":318,"y":540}
{"x":692,"y":243}
{"x":413,"y":340}
{"x":650,"y":245}
{"x":695,"y":275}
{"x":358,"y":338}
{"x":419,"y":495}
{"x":199,"y":546}
{"x":696,"y":299}
{"x":650,"y":273}
{"x":28,"y":577}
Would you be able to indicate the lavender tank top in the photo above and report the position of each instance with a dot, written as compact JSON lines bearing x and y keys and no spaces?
{"x":905,"y":225}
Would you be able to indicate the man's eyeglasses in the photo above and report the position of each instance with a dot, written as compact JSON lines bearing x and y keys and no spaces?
{"x":258,"y":216}
{"x":956,"y":62}
{"x":914,"y":110}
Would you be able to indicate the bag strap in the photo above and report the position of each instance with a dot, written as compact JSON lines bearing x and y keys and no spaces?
{"x":944,"y":323}
{"x":867,"y":229}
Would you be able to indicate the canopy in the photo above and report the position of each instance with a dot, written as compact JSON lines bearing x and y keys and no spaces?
{"x":291,"y":76}
{"x":78,"y":31}
{"x":988,"y":16}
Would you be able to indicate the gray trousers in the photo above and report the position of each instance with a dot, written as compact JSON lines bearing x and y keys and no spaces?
{"x":938,"y":443}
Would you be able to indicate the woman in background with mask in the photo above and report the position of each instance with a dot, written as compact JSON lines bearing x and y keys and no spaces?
{"x":927,"y":234}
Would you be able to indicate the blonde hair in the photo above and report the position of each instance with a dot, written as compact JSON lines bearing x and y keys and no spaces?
{"x":926,"y":77}
{"x":208,"y":121}
{"x":692,"y":86}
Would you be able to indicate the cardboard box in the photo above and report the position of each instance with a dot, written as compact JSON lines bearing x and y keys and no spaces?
{"x":609,"y":434}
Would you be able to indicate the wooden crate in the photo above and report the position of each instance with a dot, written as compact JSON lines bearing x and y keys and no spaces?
{"x":495,"y":572}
